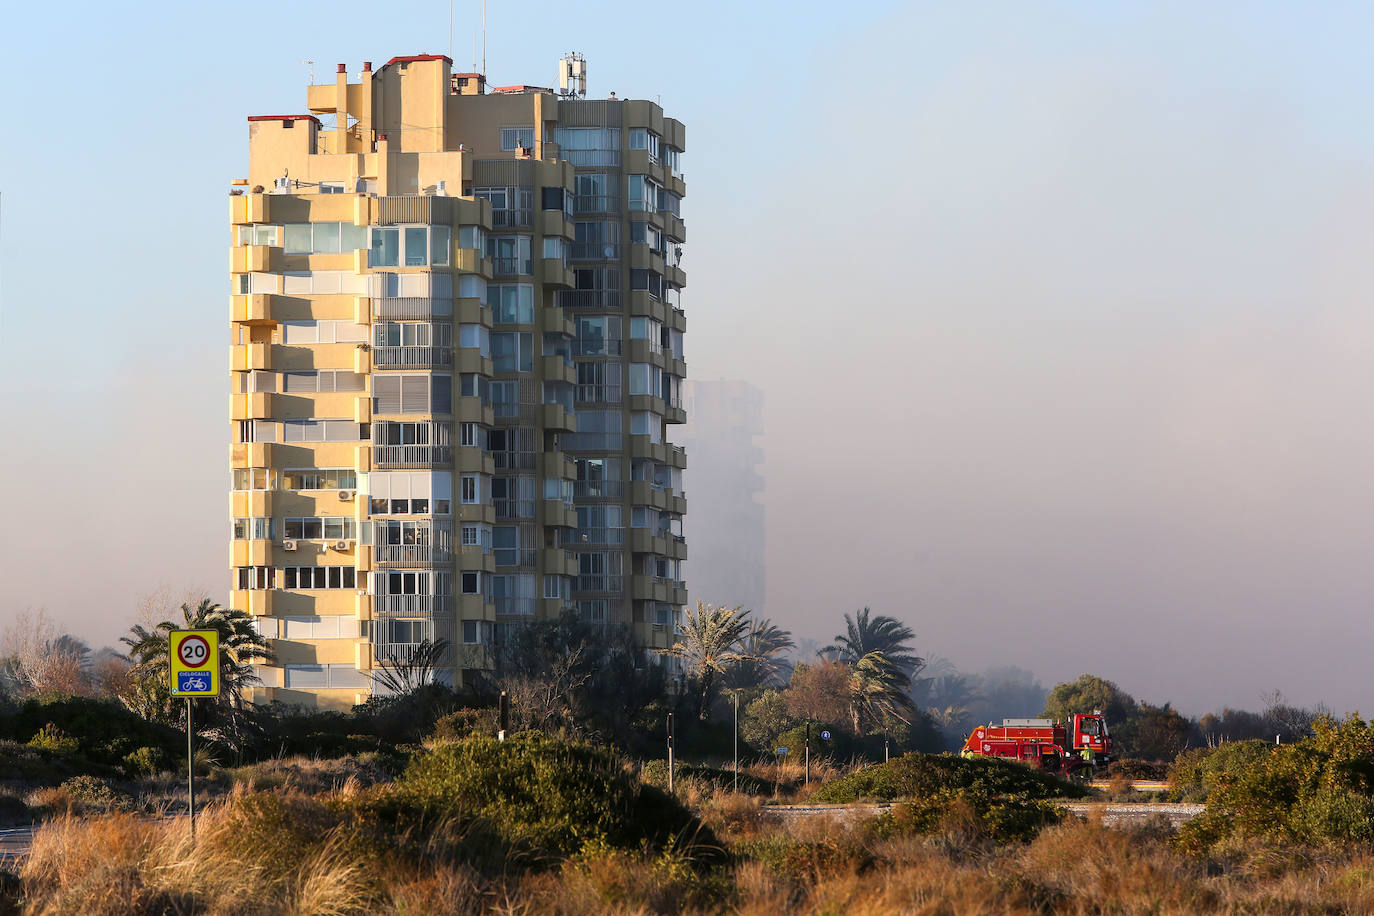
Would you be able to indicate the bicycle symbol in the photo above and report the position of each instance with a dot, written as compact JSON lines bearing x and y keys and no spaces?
{"x":192,"y":682}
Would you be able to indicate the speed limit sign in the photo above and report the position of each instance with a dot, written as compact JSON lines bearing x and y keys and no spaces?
{"x":194,"y":662}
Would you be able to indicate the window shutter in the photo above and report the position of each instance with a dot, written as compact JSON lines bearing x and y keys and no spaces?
{"x":386,"y":393}
{"x":414,"y":394}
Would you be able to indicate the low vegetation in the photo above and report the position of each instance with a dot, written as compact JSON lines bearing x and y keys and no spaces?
{"x":916,"y":776}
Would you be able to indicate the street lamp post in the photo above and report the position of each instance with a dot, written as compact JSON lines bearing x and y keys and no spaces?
{"x":735,"y":696}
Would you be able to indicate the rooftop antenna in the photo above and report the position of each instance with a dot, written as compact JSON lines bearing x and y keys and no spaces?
{"x":484,"y":38}
{"x":311,"y":65}
{"x":450,"y":29}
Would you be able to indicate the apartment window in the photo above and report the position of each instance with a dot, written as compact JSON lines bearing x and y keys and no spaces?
{"x":420,"y":393}
{"x":332,"y":627}
{"x":643,"y":193}
{"x":322,"y":380}
{"x":257,"y":528}
{"x":589,"y":146}
{"x":254,"y":479}
{"x":412,"y":334}
{"x":476,"y":536}
{"x":295,"y":333}
{"x":319,"y":577}
{"x":646,"y":378}
{"x":556,"y":248}
{"x":512,"y":352}
{"x":598,"y":382}
{"x":510,"y":254}
{"x":323,"y":431}
{"x":440,"y":242}
{"x":257,"y":431}
{"x":596,"y":430}
{"x":513,"y":138}
{"x":600,"y":571}
{"x":472,"y":237}
{"x":514,"y":594}
{"x":650,"y":280}
{"x":476,"y":632}
{"x":470,"y":582}
{"x":385,"y":250}
{"x":314,"y":528}
{"x":513,"y":497}
{"x":511,"y":303}
{"x":323,"y":238}
{"x":597,"y":336}
{"x":647,"y":234}
{"x":644,"y":423}
{"x":595,"y":240}
{"x":672,"y":158}
{"x":600,"y":524}
{"x":470,"y":489}
{"x":305,"y":677}
{"x":475,"y":337}
{"x":640,"y":138}
{"x":320,"y":479}
{"x":255,"y":577}
{"x":257,"y":235}
{"x":472,"y":434}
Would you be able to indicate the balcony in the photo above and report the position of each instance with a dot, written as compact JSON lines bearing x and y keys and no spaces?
{"x":555,"y":322}
{"x":249,"y":357}
{"x":470,"y":260}
{"x":472,"y":311}
{"x":644,"y":493}
{"x":644,"y":257}
{"x":254,"y":259}
{"x":475,"y":461}
{"x":674,"y":228}
{"x":411,"y":307}
{"x":248,"y":208}
{"x":412,"y":456}
{"x":410,"y":554}
{"x":559,"y":514}
{"x":512,"y":267}
{"x":471,"y":360}
{"x":255,"y":406}
{"x":641,"y":303}
{"x":675,"y":415}
{"x":558,"y":562}
{"x":604,"y":300}
{"x":412,"y":357}
{"x":253,"y":309}
{"x":472,"y":410}
{"x":556,"y":464}
{"x":677,"y":457}
{"x":558,"y":369}
{"x":412,"y":604}
{"x":553,"y":222}
{"x":555,"y":273}
{"x":641,"y":447}
{"x":557,"y":419}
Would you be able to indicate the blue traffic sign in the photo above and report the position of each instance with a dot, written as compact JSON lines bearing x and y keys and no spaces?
{"x":194,"y":682}
{"x":782,"y":752}
{"x":825,"y":736}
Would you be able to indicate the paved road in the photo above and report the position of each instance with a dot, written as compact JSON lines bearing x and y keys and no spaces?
{"x":1112,"y":813}
{"x":14,"y":844}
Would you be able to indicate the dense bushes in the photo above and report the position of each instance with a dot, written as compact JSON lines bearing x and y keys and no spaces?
{"x":1194,"y":774}
{"x":924,"y":775}
{"x":1317,"y":791}
{"x":92,"y":735}
{"x":539,"y":795}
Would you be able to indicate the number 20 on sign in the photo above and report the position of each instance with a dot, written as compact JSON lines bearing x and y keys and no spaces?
{"x":195,"y":663}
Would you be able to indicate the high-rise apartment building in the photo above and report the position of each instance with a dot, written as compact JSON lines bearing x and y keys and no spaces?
{"x":456,"y":358}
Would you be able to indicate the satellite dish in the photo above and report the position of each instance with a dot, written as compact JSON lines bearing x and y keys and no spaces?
{"x":610,"y":251}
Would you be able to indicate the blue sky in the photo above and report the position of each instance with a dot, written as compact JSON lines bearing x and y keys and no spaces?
{"x":1061,"y":309}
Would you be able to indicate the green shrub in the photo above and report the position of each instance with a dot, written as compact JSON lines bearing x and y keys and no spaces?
{"x":104,"y":732}
{"x":34,"y":765}
{"x":655,"y":772}
{"x":52,"y":739}
{"x":539,"y":795}
{"x":1194,"y":774}
{"x":967,"y":818}
{"x":923,"y":775}
{"x":1317,"y":791}
{"x":147,"y":761}
{"x":1135,"y":768}
{"x":91,"y":793}
{"x":467,"y":722}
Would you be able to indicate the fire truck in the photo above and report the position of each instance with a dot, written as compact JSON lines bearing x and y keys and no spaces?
{"x":1045,"y":744}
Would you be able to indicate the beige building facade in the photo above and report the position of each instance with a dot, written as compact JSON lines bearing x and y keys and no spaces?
{"x":457,"y":361}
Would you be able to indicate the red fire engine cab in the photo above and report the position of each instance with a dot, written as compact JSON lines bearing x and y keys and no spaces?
{"x":1044,"y":743}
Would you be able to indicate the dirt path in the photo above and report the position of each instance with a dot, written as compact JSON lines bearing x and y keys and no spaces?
{"x":1112,"y":813}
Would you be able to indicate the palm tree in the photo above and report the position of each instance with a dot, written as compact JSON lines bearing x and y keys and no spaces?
{"x":762,"y":647}
{"x":401,"y":674}
{"x":240,"y":645}
{"x":710,"y":646}
{"x":888,"y":635}
{"x":878,"y":692}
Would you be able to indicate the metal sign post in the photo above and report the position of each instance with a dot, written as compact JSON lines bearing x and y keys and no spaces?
{"x":193,"y":667}
{"x":736,"y":699}
{"x":502,"y":717}
{"x":808,"y":752}
{"x":670,"y":752}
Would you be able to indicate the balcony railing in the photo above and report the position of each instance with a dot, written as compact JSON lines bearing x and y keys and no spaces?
{"x":610,"y":346}
{"x":517,"y":606}
{"x":512,"y":266}
{"x":607,"y":299}
{"x":596,"y":583}
{"x":594,"y":251}
{"x":411,"y":357}
{"x":513,"y":508}
{"x":405,"y":554}
{"x":588,"y":158}
{"x":599,"y":537}
{"x":516,"y":556}
{"x":596,"y":203}
{"x":513,"y":461}
{"x":411,"y":307}
{"x":408,"y":456}
{"x":413,"y":604}
{"x":512,"y":219}
{"x":599,"y":489}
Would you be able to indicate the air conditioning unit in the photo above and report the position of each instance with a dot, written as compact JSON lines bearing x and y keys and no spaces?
{"x":288,"y":545}
{"x":342,"y":545}
{"x":345,"y":494}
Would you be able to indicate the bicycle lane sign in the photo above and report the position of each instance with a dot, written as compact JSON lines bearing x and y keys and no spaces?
{"x":194,"y":663}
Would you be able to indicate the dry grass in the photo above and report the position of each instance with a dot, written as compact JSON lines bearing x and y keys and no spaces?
{"x":277,"y":852}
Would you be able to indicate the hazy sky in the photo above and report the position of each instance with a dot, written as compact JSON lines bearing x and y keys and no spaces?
{"x":1062,"y":314}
